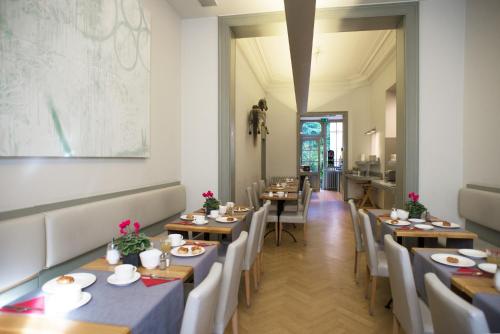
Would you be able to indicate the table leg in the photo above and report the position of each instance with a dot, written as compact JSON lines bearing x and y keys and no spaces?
{"x":279,"y":210}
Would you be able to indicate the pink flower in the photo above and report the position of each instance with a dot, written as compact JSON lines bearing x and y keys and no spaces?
{"x":122,"y":231}
{"x":413,"y":196}
{"x":137,"y":226}
{"x":210,"y":193}
{"x":205,"y":195}
{"x":124,"y":223}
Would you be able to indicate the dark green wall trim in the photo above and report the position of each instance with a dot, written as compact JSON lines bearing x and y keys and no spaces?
{"x":64,"y":204}
{"x":484,"y":188}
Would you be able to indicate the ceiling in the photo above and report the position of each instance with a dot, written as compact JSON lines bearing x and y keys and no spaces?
{"x":340,"y":62}
{"x":192,"y":8}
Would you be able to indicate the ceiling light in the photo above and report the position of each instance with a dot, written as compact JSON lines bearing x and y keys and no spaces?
{"x":208,"y":3}
{"x":371,"y":131}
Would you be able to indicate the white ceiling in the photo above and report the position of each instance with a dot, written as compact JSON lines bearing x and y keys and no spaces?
{"x":340,"y":62}
{"x":192,"y":8}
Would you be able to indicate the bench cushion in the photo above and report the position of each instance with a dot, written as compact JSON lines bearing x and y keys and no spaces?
{"x":481,"y":207}
{"x":22,"y":249}
{"x":79,"y":229}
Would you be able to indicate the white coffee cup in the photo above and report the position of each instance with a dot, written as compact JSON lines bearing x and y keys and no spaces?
{"x":199,"y":219}
{"x":270,"y":194}
{"x":66,"y":295}
{"x":281,"y":193}
{"x":214,"y":213}
{"x":222,"y":210}
{"x":176,"y":239}
{"x":150,"y":258}
{"x":402,"y":214}
{"x":125,"y":272}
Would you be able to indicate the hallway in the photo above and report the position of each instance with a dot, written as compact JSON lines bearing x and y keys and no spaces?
{"x":311,"y":289}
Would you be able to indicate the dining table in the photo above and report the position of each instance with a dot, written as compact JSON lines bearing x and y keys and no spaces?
{"x":140,"y":307}
{"x":455,"y":237}
{"x":472,"y":284}
{"x":232,"y":229}
{"x":292,"y":196}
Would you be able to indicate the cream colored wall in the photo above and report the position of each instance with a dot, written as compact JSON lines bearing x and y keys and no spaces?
{"x":482,"y":93}
{"x":200,"y":126}
{"x":247,"y":151}
{"x":27,"y":182}
{"x":281,"y":143}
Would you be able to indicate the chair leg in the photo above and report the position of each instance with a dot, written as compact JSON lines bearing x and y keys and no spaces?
{"x":247,"y":286}
{"x":234,"y":321}
{"x":305,"y":234}
{"x":255,"y":270}
{"x":261,"y":262}
{"x":257,"y":267}
{"x":395,"y":325}
{"x":373,"y":293}
{"x":356,"y":266}
{"x":367,"y":281}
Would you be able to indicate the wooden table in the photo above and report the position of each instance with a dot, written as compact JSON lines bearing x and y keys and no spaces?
{"x":383,"y":215}
{"x":280,"y":203}
{"x":290,"y":188}
{"x":219,"y":229}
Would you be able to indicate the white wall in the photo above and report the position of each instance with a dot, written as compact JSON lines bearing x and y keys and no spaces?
{"x":28,"y":182}
{"x":482,"y":93}
{"x":281,"y":143}
{"x":247,"y":151}
{"x":442,"y":34}
{"x":200,"y":127}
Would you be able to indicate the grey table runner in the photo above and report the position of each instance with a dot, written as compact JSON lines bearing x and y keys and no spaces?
{"x":154,"y":310}
{"x":422,"y":264}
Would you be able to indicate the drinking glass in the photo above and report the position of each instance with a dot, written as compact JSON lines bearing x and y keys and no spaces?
{"x":166,"y":246}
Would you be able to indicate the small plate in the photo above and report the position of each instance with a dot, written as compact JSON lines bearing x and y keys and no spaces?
{"x":185,"y":217}
{"x":440,"y":224}
{"x":241,"y":209}
{"x":424,"y":227}
{"x":416,"y":220}
{"x":55,"y":308}
{"x":399,"y":223}
{"x":114,"y":281}
{"x":84,"y":279}
{"x":463,"y":262}
{"x":224,"y":220}
{"x":175,"y":251}
{"x":474,"y":253}
{"x":197,"y":223}
{"x":490,"y":268}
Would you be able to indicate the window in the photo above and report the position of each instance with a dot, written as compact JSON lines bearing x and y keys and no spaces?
{"x":310,"y":154}
{"x":336,"y":144}
{"x":310,"y":129}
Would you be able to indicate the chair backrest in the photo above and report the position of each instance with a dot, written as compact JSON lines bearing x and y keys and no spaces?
{"x":404,"y":293}
{"x":231,"y":274}
{"x":307,"y":203}
{"x":255,"y":193}
{"x":201,"y":304}
{"x":266,"y":207}
{"x":262,"y":186}
{"x":250,"y":197}
{"x":355,"y":225}
{"x":307,"y":186}
{"x":450,"y":313}
{"x":253,"y":239}
{"x":369,"y":242}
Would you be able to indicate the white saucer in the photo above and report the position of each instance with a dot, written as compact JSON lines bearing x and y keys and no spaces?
{"x":400,"y":223}
{"x":84,"y":279}
{"x":488,"y":267}
{"x":423,"y":227}
{"x":182,"y":243}
{"x":463,"y":261}
{"x":440,"y":224}
{"x":54,"y":308}
{"x":224,"y":220}
{"x":189,"y":254}
{"x":114,"y":281}
{"x":474,"y":253}
{"x":416,"y":220}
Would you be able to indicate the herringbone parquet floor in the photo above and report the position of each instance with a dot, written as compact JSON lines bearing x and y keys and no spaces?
{"x":311,"y":288}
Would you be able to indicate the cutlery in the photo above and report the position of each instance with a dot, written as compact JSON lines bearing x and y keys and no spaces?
{"x":21,"y":309}
{"x":472,"y":273}
{"x":154,"y":276}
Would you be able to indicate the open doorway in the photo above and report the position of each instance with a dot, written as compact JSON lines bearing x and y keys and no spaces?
{"x":322,"y":149}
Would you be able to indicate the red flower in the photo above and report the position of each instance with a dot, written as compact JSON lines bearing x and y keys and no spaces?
{"x":205,"y":195}
{"x":210,"y":193}
{"x":137,"y":226}
{"x":413,"y":196}
{"x":124,"y":224}
{"x":122,"y":231}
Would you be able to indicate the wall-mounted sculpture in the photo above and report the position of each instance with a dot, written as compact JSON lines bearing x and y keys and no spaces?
{"x":257,"y":120}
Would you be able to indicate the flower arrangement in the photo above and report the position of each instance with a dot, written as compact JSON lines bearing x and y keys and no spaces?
{"x":211,"y":203}
{"x":414,"y":207}
{"x":131,"y":242}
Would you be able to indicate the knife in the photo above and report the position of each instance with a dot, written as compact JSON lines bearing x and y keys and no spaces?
{"x":21,"y":309}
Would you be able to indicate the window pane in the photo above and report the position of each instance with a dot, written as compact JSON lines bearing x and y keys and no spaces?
{"x":311,"y":129}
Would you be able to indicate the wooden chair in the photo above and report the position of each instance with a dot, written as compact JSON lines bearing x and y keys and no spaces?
{"x":358,"y":243}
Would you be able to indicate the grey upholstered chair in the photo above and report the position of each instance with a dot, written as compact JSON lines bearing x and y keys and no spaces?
{"x":260,"y":247}
{"x":358,"y":243}
{"x":409,"y":311}
{"x":255,"y":194}
{"x":250,"y":198}
{"x":375,"y":258}
{"x":450,"y":313}
{"x":299,"y":217}
{"x":299,"y":206}
{"x":227,"y":305}
{"x":249,"y":262}
{"x":200,"y":308}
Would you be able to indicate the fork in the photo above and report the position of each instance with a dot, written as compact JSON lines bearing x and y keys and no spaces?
{"x":21,"y":309}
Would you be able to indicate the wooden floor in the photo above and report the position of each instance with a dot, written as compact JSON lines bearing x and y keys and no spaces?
{"x":311,"y":289}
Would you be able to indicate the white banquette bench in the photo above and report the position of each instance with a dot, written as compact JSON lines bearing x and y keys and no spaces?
{"x":480,"y":206}
{"x":30,"y":246}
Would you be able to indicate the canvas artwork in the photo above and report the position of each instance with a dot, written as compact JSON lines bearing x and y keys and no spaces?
{"x":74,"y":78}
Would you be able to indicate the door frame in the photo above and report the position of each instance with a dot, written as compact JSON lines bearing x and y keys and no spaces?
{"x":403,"y":17}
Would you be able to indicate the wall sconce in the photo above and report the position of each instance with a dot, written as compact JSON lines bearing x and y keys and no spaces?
{"x":257,"y":120}
{"x":371,"y":131}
